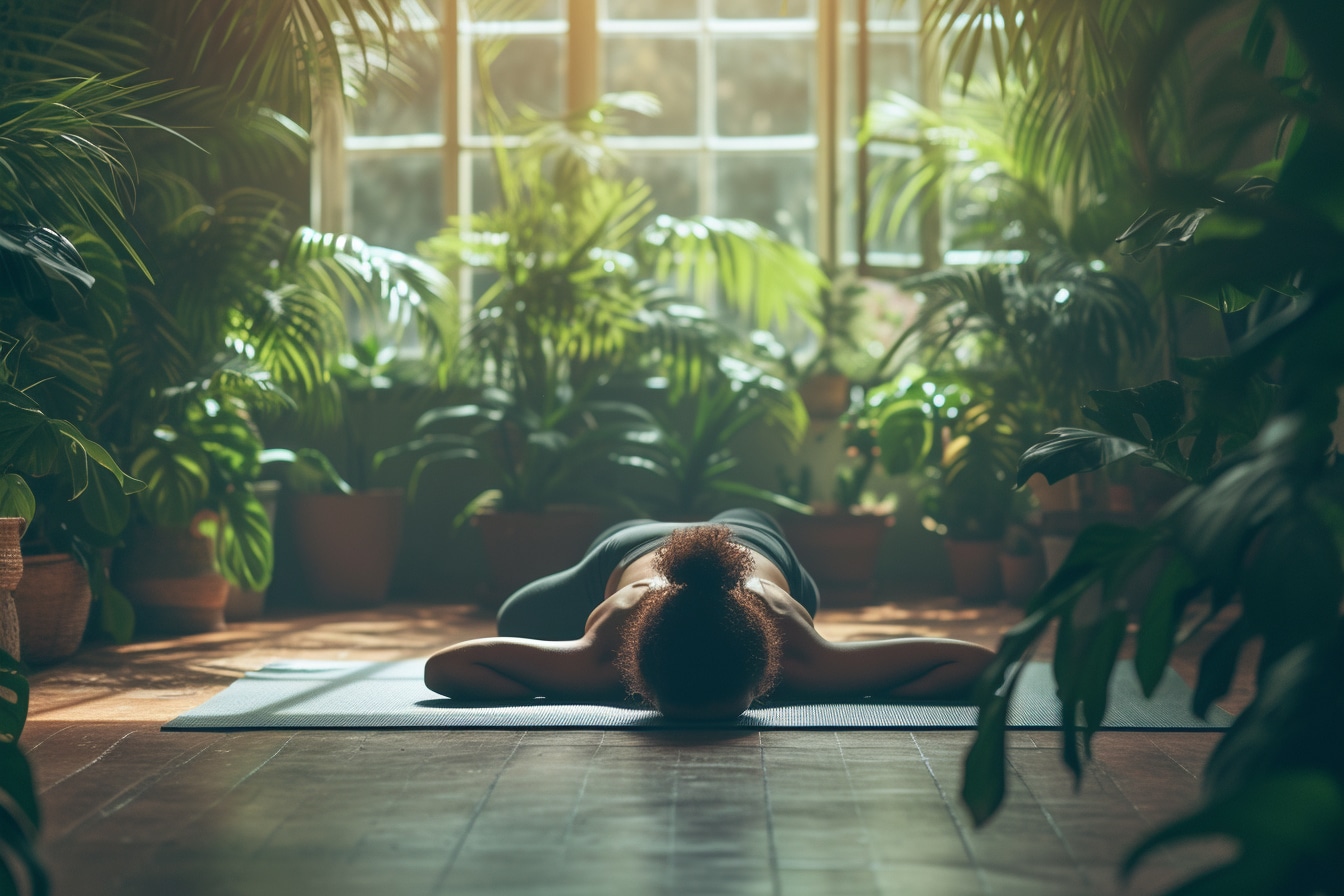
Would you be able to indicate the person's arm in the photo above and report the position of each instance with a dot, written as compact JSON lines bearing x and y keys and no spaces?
{"x":932,"y":668}
{"x":520,"y":668}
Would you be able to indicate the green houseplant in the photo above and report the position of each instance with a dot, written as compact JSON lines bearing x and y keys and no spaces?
{"x":963,"y":436}
{"x":1257,"y":515}
{"x":187,"y":302}
{"x":588,"y":288}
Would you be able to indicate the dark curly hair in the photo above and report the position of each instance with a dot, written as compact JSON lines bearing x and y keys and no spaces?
{"x":702,"y":639}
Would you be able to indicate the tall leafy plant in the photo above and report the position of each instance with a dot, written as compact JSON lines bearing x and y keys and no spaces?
{"x":1257,"y":536}
{"x":588,"y":286}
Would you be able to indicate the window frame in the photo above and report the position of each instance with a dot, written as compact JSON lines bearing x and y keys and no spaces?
{"x":836,"y":24}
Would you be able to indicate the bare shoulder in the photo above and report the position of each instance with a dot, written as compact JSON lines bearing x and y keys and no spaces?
{"x":604,"y":625}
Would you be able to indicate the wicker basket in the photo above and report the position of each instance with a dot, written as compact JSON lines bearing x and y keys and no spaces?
{"x":11,"y":571}
{"x":11,"y":557}
{"x":53,"y":605}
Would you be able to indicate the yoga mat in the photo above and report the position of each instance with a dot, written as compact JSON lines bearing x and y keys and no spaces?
{"x":393,"y":695}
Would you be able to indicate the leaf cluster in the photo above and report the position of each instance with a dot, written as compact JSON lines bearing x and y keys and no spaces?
{"x":1259,"y":534}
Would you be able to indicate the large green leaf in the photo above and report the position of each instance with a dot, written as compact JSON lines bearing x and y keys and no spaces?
{"x":176,"y":481}
{"x":82,"y":451}
{"x":245,"y":549}
{"x":1161,"y":614}
{"x":904,"y":437}
{"x":28,"y":441}
{"x":31,"y":259}
{"x":16,"y":498}
{"x":227,"y":439}
{"x":1070,"y":451}
{"x":104,"y":503}
{"x":307,"y":471}
{"x":1285,"y":823}
{"x":13,"y":700}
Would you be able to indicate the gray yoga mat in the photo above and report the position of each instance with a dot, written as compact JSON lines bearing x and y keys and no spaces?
{"x":299,"y":694}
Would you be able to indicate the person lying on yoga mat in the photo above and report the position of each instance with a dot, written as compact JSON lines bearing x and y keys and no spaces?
{"x":699,"y":620}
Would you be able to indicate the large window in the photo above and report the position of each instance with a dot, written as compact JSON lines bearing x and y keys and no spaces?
{"x":761,"y":104}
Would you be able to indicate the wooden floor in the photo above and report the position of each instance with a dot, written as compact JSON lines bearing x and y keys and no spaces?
{"x":130,"y":809}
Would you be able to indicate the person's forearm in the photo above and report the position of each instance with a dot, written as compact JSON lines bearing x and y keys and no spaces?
{"x":518,"y":668}
{"x":906,"y":667}
{"x":466,"y":680}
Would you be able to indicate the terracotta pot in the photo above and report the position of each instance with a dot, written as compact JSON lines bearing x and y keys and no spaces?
{"x":244,"y":603}
{"x":975,"y":569}
{"x":11,"y":572}
{"x":348,"y":545}
{"x":521,"y":547}
{"x":1120,"y":498}
{"x":169,"y":576}
{"x":840,"y":552}
{"x":1055,"y":548}
{"x":1061,"y":496}
{"x":825,"y":395}
{"x":1021,"y":576}
{"x":53,"y":602}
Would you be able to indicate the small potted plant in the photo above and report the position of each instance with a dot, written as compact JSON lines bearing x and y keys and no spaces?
{"x":965,"y":437}
{"x":198,"y":525}
{"x":839,"y":542}
{"x":71,"y":497}
{"x":545,"y":474}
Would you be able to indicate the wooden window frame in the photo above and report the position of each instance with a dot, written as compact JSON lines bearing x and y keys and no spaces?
{"x":833,"y":139}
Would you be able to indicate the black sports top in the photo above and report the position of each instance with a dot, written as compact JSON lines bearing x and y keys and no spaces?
{"x":556,"y":607}
{"x":627,"y":545}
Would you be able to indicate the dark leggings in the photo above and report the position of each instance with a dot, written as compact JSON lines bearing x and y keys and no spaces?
{"x":556,"y":607}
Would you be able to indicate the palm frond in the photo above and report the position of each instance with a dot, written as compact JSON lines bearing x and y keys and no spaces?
{"x":761,"y":276}
{"x":63,"y":154}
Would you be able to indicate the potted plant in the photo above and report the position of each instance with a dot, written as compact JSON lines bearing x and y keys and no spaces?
{"x":840,"y":540}
{"x":826,"y":372}
{"x":964,"y":436}
{"x":1254,"y":517}
{"x":67,"y":487}
{"x":546,"y":473}
{"x":72,"y":499}
{"x":693,"y":455}
{"x":588,"y":285}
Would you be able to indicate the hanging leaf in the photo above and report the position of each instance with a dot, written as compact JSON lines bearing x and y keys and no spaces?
{"x":16,"y":498}
{"x":244,"y":546}
{"x":176,"y":482}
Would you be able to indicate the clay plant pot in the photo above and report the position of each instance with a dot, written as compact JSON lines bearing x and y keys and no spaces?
{"x":170,"y":578}
{"x":840,"y":551}
{"x":348,"y":545}
{"x":53,"y":602}
{"x":825,"y":395}
{"x":1021,"y":576}
{"x":1062,"y":496}
{"x":521,"y":547}
{"x":975,"y":569}
{"x":11,"y":573}
{"x":244,"y":603}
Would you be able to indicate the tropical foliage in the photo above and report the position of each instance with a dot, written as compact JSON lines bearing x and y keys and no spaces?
{"x":21,"y":869}
{"x":1255,"y":540}
{"x":589,"y":290}
{"x":165,"y":324}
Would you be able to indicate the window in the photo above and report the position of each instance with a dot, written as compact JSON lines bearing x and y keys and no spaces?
{"x":761,"y":103}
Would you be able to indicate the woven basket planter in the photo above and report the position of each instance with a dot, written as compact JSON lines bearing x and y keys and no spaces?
{"x":53,"y":603}
{"x":170,"y":578}
{"x":11,"y":556}
{"x":11,"y":571}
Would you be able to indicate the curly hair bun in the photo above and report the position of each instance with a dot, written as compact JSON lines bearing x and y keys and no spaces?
{"x":703,"y":559}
